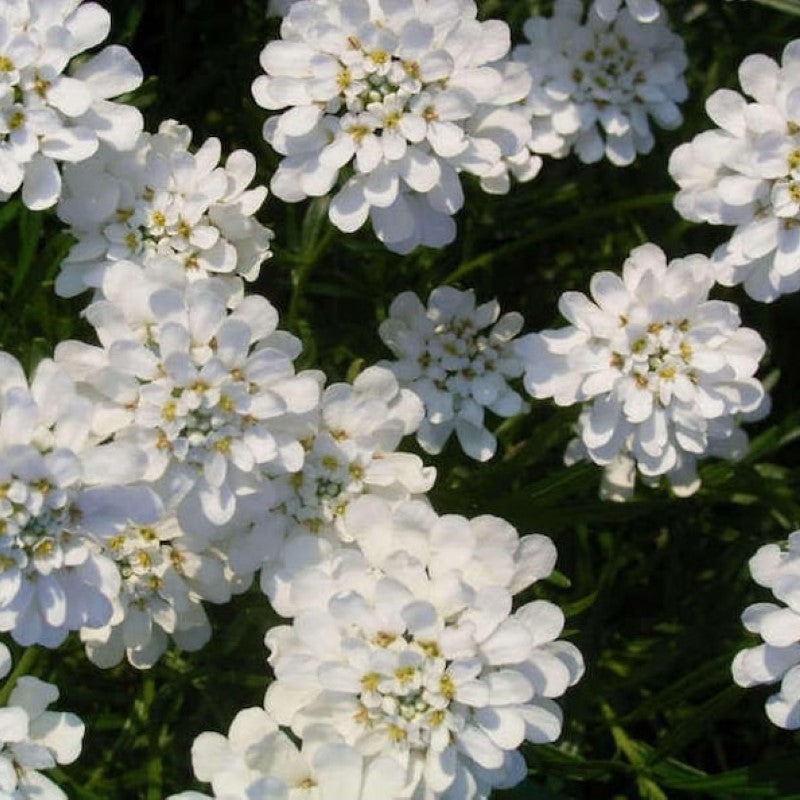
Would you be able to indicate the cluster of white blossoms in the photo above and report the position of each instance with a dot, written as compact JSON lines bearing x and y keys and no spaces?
{"x":33,"y":738}
{"x":49,"y":114}
{"x":596,"y":83}
{"x":350,"y":442}
{"x":421,"y":659}
{"x":746,"y":173}
{"x":455,"y":365}
{"x":61,"y":492}
{"x":199,"y":384}
{"x":165,"y":577}
{"x":166,"y":465}
{"x":663,"y":372}
{"x":199,"y":388}
{"x":778,"y":624}
{"x":160,"y":201}
{"x":402,"y":96}
{"x":258,"y":760}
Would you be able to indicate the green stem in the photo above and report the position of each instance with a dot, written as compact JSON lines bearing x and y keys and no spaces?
{"x":300,"y":276}
{"x":573,"y":223}
{"x":24,"y":667}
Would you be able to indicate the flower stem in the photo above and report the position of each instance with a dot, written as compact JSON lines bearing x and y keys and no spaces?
{"x":557,"y":229}
{"x":23,"y":667}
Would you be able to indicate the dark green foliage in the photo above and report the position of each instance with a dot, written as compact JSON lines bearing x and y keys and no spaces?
{"x":653,"y":589}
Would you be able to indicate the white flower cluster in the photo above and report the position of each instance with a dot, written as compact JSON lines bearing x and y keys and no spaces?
{"x":205,"y":396}
{"x":199,"y":388}
{"x":258,"y":760}
{"x":746,"y":173}
{"x":351,"y":443}
{"x":165,"y":576}
{"x":161,"y":202}
{"x":663,"y":371}
{"x":778,"y":624}
{"x":455,"y":365}
{"x":408,"y":94}
{"x":405,"y":673}
{"x":420,"y":658}
{"x":61,"y":492}
{"x":49,"y":115}
{"x":33,"y":738}
{"x":597,"y":83}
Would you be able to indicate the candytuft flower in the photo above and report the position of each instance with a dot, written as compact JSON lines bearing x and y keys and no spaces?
{"x":406,"y":93}
{"x":258,"y":760}
{"x":662,"y":370}
{"x":49,"y":115}
{"x":165,"y":577}
{"x":161,"y":201}
{"x":423,"y":660}
{"x":746,"y":173}
{"x":60,"y":493}
{"x":33,"y":738}
{"x":200,"y":389}
{"x":456,"y":367}
{"x":778,"y":624}
{"x":597,"y":84}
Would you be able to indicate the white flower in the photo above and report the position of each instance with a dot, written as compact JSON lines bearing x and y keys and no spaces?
{"x":663,"y":370}
{"x":60,"y":493}
{"x":778,"y":624}
{"x":432,"y":554}
{"x":457,"y":369}
{"x":596,"y":84}
{"x":5,"y":660}
{"x":641,"y":10}
{"x":351,"y":451}
{"x":162,"y":200}
{"x":424,"y":661}
{"x":48,"y":115}
{"x":33,"y":738}
{"x":746,"y":173}
{"x":257,"y":760}
{"x":165,"y":578}
{"x":402,"y":91}
{"x":201,"y":390}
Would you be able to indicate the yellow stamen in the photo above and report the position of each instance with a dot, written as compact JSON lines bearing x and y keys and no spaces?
{"x":370,"y":681}
{"x":383,"y":639}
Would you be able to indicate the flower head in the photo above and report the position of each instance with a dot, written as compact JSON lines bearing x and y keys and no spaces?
{"x":48,"y":114}
{"x":163,"y":201}
{"x":597,"y":83}
{"x":399,"y":91}
{"x":778,"y":624}
{"x":60,"y":493}
{"x":351,"y":449}
{"x":164,"y":579}
{"x":257,"y":759}
{"x":422,"y":659}
{"x":33,"y":738}
{"x":455,"y":365}
{"x":662,"y":370}
{"x":201,"y":390}
{"x":746,"y":173}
